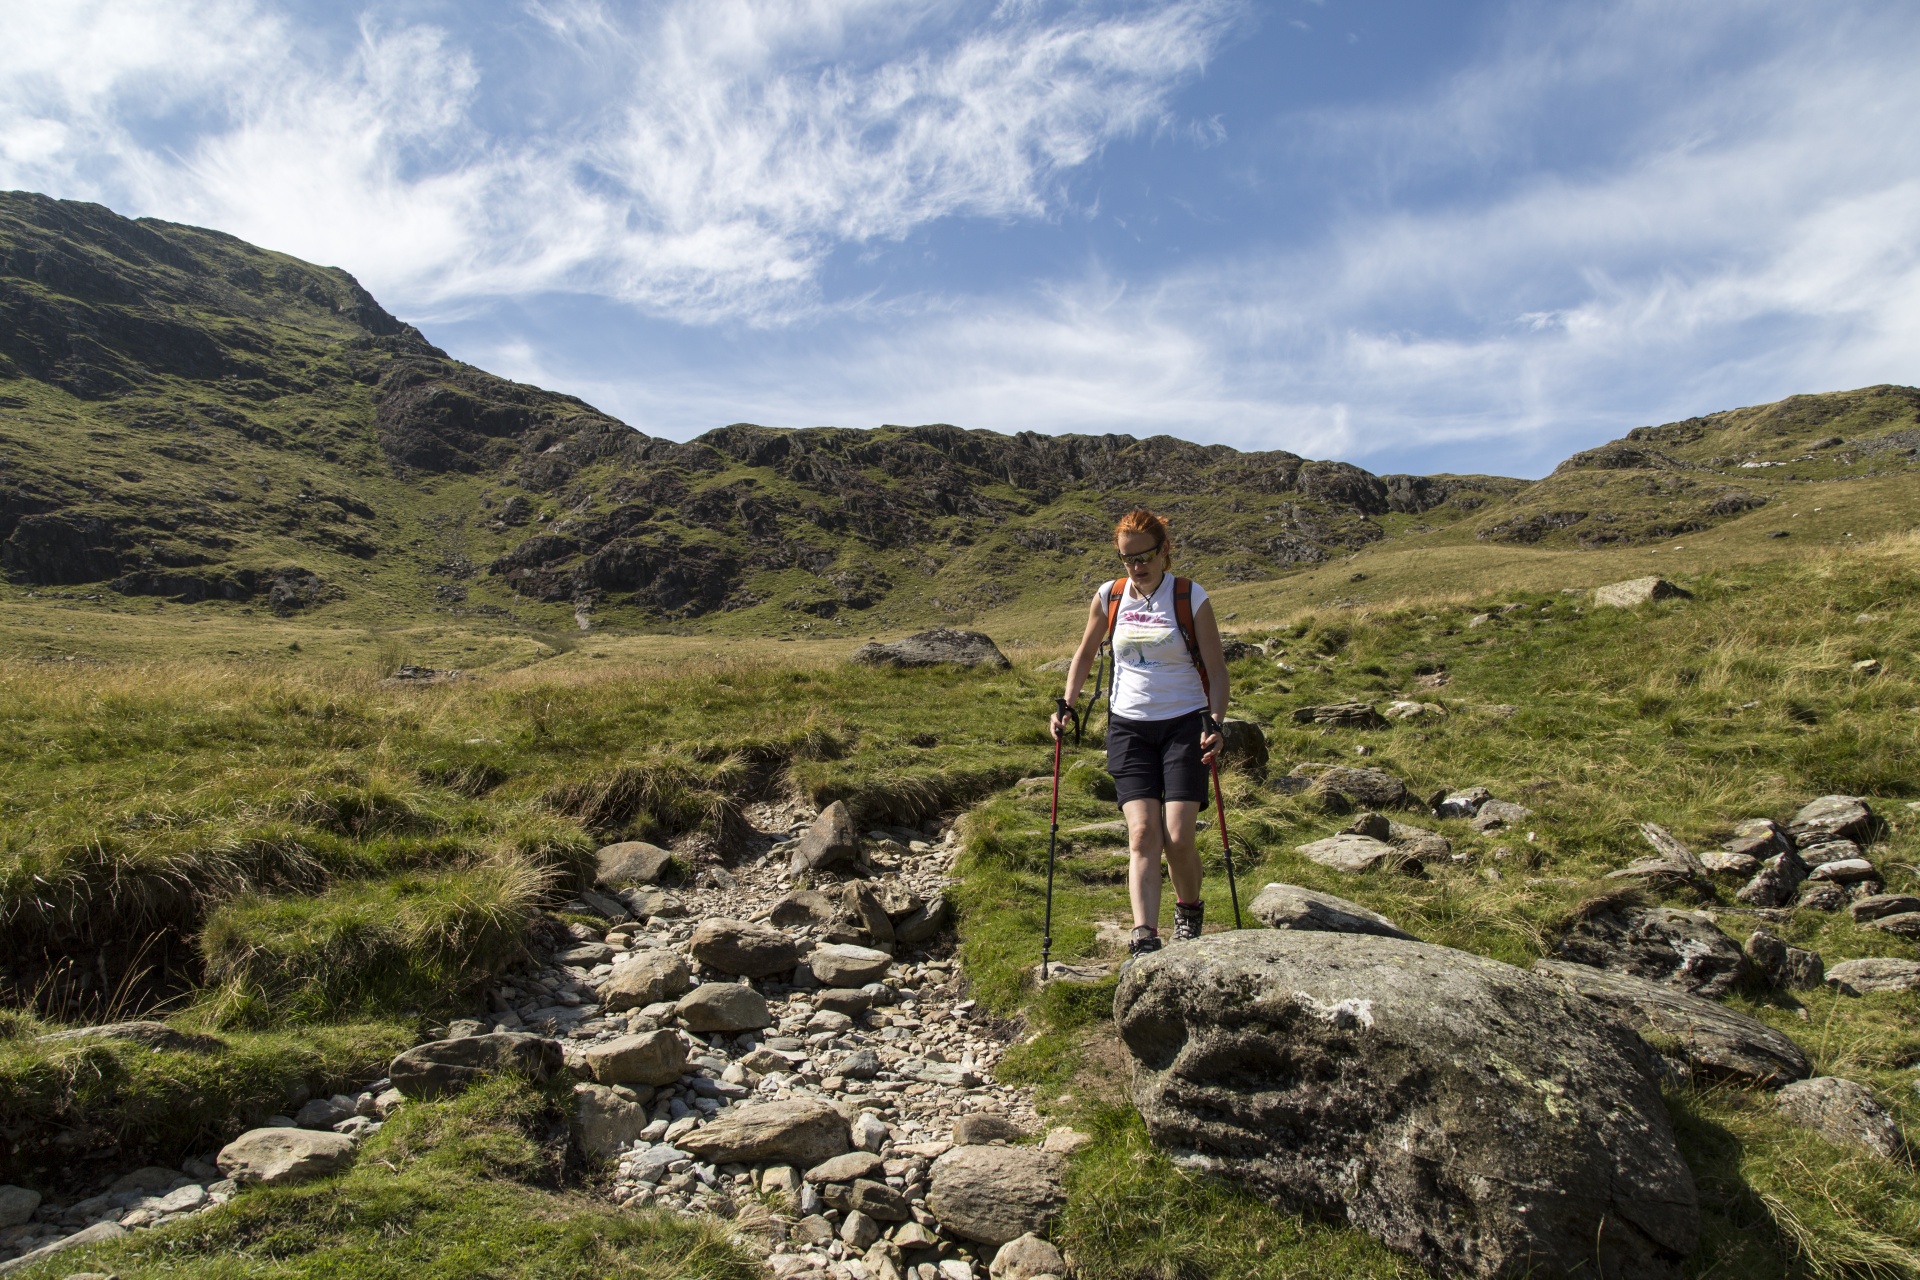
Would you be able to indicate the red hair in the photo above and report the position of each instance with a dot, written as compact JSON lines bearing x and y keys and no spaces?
{"x":1141,"y":520}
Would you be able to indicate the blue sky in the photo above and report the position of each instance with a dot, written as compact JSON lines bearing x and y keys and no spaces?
{"x":1429,"y":235}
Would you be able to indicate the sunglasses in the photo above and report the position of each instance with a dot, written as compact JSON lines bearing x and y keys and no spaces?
{"x":1141,"y":557}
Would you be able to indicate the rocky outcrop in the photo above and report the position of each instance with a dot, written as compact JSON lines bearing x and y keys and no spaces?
{"x":1361,"y":1077}
{"x":1710,"y":1040}
{"x":941,"y":646}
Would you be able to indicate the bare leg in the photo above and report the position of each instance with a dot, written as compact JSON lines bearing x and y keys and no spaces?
{"x":1183,"y":860}
{"x":1145,"y":838}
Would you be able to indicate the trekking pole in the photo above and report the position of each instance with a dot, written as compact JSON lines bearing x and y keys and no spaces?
{"x":1053,"y":836}
{"x":1220,"y":811}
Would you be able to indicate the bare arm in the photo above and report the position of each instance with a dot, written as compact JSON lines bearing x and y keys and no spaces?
{"x":1090,"y":643}
{"x":1206,"y":634}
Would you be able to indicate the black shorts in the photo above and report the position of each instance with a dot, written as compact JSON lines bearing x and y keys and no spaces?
{"x":1157,"y":759}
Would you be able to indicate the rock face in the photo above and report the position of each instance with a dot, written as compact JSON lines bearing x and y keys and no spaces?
{"x":1477,"y":1117}
{"x":1680,"y":948}
{"x":1353,"y":854}
{"x":1634,"y":591}
{"x":1286,"y":906}
{"x":996,"y":1194}
{"x":802,"y":1132}
{"x":843,"y":965}
{"x":1875,"y":973}
{"x":273,"y":1157}
{"x":933,"y":648}
{"x":1714,"y":1041}
{"x":744,"y":949}
{"x":723,"y":1006}
{"x":633,"y":862}
{"x":442,"y":1067}
{"x":829,"y":842}
{"x":1831,"y":818}
{"x":1845,"y":1114}
{"x":652,"y":1058}
{"x":648,"y":978}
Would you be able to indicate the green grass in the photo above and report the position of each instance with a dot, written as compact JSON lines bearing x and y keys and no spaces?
{"x":471,"y":1186}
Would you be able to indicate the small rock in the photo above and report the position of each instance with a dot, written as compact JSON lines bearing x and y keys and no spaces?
{"x":1844,"y":871}
{"x":781,"y":1178}
{"x":806,"y":908}
{"x":1844,"y":1113}
{"x":1286,"y":906}
{"x":651,"y":976}
{"x":1831,"y":817}
{"x":585,"y":955}
{"x":1880,"y":905}
{"x":801,"y":1131}
{"x":274,"y":1157}
{"x":1758,"y":838}
{"x":1244,"y":744}
{"x":864,"y":1195}
{"x":923,"y":924}
{"x":845,"y":1168}
{"x":1064,"y":1141}
{"x":1027,"y":1257}
{"x":17,"y":1205}
{"x":99,"y":1233}
{"x":869,"y":1133}
{"x":1353,"y":854}
{"x":831,"y":841}
{"x":604,"y":1122}
{"x":1338,"y":787}
{"x":996,"y":1194}
{"x":651,"y":1058}
{"x":1905,"y":925}
{"x":857,"y":1231}
{"x":1826,"y":851}
{"x":1738,"y":864}
{"x":983,"y":1127}
{"x":1638,"y":591}
{"x":1680,"y":948}
{"x":1875,"y":973}
{"x":844,"y":965}
{"x":1821,"y":895}
{"x":1462,"y":804}
{"x":634,"y":862}
{"x":811,"y":1230}
{"x":1495,"y":814}
{"x":1341,"y":715}
{"x":741,"y":948}
{"x":940,"y":646}
{"x":320,"y":1113}
{"x":723,"y":1006}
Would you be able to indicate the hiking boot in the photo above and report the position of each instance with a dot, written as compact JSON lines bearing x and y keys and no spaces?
{"x":1186,"y":920}
{"x":1145,"y":941}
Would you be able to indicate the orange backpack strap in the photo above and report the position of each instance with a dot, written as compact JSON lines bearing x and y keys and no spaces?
{"x":1183,"y":618}
{"x":1114,"y":592}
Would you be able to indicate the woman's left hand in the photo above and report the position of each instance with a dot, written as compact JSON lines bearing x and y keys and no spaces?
{"x":1210,"y":744}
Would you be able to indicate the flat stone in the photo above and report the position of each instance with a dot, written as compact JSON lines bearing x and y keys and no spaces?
{"x":1826,"y":851}
{"x":1821,"y":895}
{"x":1875,"y":973}
{"x":648,"y":977}
{"x":1482,"y":1119}
{"x":803,"y":909}
{"x":275,"y":1157}
{"x":845,"y":1168}
{"x":723,"y":1006}
{"x":1845,"y":817}
{"x":801,"y":1131}
{"x":831,"y":841}
{"x":1353,"y":854}
{"x":1341,"y":715}
{"x":1714,"y":1042}
{"x":1844,"y":871}
{"x":1638,"y":591}
{"x":1759,"y":839}
{"x":1464,"y":803}
{"x":845,"y":965}
{"x":585,"y":955}
{"x":98,"y":1233}
{"x":1905,"y":925}
{"x":996,"y":1194}
{"x":742,"y":948}
{"x":651,"y":1058}
{"x":1878,"y":905}
{"x":1063,"y":1140}
{"x":1363,"y":788}
{"x":924,"y":923}
{"x":1845,"y":1113}
{"x":1738,"y":864}
{"x":981,"y":1127}
{"x":1286,"y":906}
{"x":442,"y":1067}
{"x":633,"y":862}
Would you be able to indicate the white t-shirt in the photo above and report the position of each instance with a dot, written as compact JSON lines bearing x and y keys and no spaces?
{"x":1154,"y":677}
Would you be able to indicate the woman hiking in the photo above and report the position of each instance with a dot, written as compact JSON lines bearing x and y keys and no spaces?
{"x":1169,"y":676}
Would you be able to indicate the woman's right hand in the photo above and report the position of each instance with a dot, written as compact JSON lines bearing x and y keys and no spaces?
{"x":1059,"y":723}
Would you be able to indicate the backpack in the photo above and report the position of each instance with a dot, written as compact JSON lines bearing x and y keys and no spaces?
{"x":1182,"y":618}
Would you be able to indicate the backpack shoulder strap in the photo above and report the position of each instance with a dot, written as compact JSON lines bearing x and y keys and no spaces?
{"x":1115,"y":589}
{"x":1183,"y":618}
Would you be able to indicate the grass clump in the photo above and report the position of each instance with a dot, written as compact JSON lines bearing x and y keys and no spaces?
{"x":447,"y":1190}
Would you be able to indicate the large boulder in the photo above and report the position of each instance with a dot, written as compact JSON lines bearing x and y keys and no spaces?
{"x":830,"y":842}
{"x":1683,"y":949}
{"x":942,"y":645}
{"x":649,"y":977}
{"x":274,"y":1157}
{"x":442,"y":1067}
{"x":652,"y":1058}
{"x":1637,"y":591}
{"x":801,"y":1132}
{"x":742,"y":948}
{"x":1831,"y":818}
{"x":1244,"y":743}
{"x":1288,"y":906}
{"x":634,"y":862}
{"x":1477,"y":1117}
{"x":604,"y":1122}
{"x":995,"y":1194}
{"x":1845,"y":1113}
{"x":1874,"y":973}
{"x":843,"y":965}
{"x":1712,"y":1040}
{"x":723,"y":1006}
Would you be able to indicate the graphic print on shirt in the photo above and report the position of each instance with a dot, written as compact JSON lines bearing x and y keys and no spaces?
{"x":1140,"y":636}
